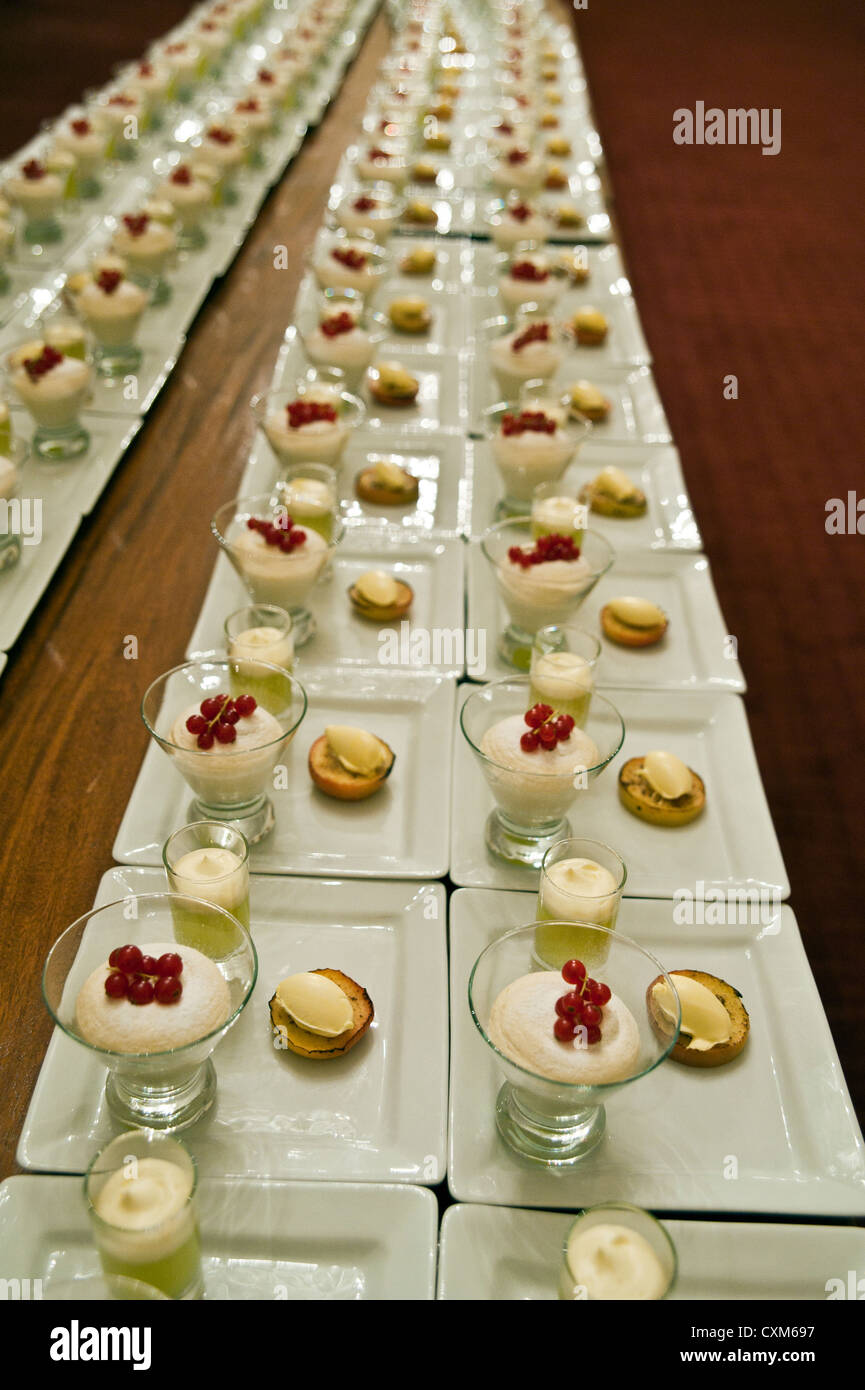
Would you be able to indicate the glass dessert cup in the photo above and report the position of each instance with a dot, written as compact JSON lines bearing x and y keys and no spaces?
{"x":556,"y":508}
{"x":557,"y":1123}
{"x":164,"y":1255}
{"x":377,"y":222}
{"x":565,"y":682}
{"x":309,"y":444}
{"x":275,"y":578}
{"x":557,"y":904}
{"x":337,"y":354}
{"x":54,"y":407}
{"x":115,"y":351}
{"x":310,"y":491}
{"x":531,"y":602}
{"x":531,"y":809}
{"x":164,"y":1090}
{"x":229,"y":783}
{"x":260,"y":632}
{"x":333,"y":274}
{"x":228,"y":890}
{"x":536,"y":362}
{"x":532,"y":459}
{"x":636,"y":1219}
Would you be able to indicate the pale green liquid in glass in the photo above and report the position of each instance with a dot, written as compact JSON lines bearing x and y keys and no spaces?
{"x":539,"y":529}
{"x":556,"y":944}
{"x":268,"y":691}
{"x":214,"y":937}
{"x":173,"y":1275}
{"x":578,"y":708}
{"x":322,"y":524}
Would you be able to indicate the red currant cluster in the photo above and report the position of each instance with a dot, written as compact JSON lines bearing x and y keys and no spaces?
{"x":141,"y":979}
{"x":221,"y":135}
{"x":535,"y":333}
{"x":282,"y":532}
{"x":504,"y":128}
{"x":36,"y":367}
{"x":81,"y":126}
{"x":534,"y":420}
{"x":336,"y":324}
{"x":121,"y":99}
{"x":309,"y":413}
{"x":583,"y":1004}
{"x":219,"y":714}
{"x":378,"y":155}
{"x":145,"y":70}
{"x":251,"y":104}
{"x":136,"y":223}
{"x":175,"y":48}
{"x":33,"y":170}
{"x":552,"y":547}
{"x":520,"y":212}
{"x":518,"y":156}
{"x":108,"y":280}
{"x":349,"y":256}
{"x":266,"y":76}
{"x":527,"y":270}
{"x":364,"y":203}
{"x":182,"y":175}
{"x":546,"y":728}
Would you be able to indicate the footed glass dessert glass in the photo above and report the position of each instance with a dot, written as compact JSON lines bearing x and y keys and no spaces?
{"x":553,"y":1122}
{"x":173,"y":1088}
{"x":54,"y":395}
{"x":532,"y":807}
{"x":230,"y":781}
{"x":533,"y":599}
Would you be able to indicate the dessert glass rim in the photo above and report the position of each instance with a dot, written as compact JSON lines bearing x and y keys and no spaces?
{"x":524,"y":523}
{"x":167,"y":898}
{"x":576,"y":431}
{"x":542,"y":776}
{"x":587,"y":840}
{"x":612,"y":1205}
{"x":573,"y":1086}
{"x":281,"y":396}
{"x":215,"y":659}
{"x":8,"y":350}
{"x":158,"y":1134}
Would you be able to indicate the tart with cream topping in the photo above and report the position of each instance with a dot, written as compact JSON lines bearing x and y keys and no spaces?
{"x":589,"y":327}
{"x":410,"y":314}
{"x":589,"y":401}
{"x":381,"y":598}
{"x":391,"y":384}
{"x":633,"y":622}
{"x":320,"y":1014}
{"x":661,"y":789}
{"x":613,"y":493}
{"x":715,"y":1023}
{"x":349,"y":764}
{"x":386,"y":484}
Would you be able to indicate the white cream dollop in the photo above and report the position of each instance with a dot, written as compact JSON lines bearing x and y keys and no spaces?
{"x":612,"y":1261}
{"x":704,"y":1017}
{"x":378,"y":587}
{"x":315,"y":1003}
{"x":155,"y":1194}
{"x":667,"y":774}
{"x":636,"y":612}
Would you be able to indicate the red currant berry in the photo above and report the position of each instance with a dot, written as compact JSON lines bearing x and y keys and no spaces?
{"x":205,"y":740}
{"x":245,"y":705}
{"x":529,"y":742}
{"x":591,"y":1015}
{"x":141,"y":992}
{"x":168,"y":989}
{"x":169,"y":964}
{"x":210,"y":707}
{"x":196,"y":723}
{"x":113,"y":958}
{"x":533,"y":717}
{"x":116,"y":985}
{"x":230,"y":716}
{"x":226,"y":733}
{"x":148,"y":966}
{"x":599,"y":993}
{"x":572,"y":1005}
{"x":593,"y":1034}
{"x":129,"y":959}
{"x":547,"y":736}
{"x":574,"y":972}
{"x":544,"y":711}
{"x":564,"y":1029}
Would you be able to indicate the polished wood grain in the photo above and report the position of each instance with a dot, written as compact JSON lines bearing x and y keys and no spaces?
{"x":72,"y":738}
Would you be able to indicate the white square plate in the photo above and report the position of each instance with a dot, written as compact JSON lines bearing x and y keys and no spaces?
{"x":448,"y":331}
{"x":689,"y":657}
{"x":400,"y":832}
{"x":76,"y":484}
{"x":22,"y":585}
{"x":732,"y":842}
{"x":668,"y":524}
{"x":442,"y":463}
{"x":636,"y":417}
{"x":378,"y":1114}
{"x":772,"y":1131}
{"x":260,"y":1240}
{"x":431,"y":564}
{"x":504,"y":1253}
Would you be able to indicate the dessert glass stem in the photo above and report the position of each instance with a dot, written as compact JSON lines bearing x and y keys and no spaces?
{"x":70,"y":442}
{"x":515,"y":647}
{"x":303,"y":624}
{"x":117,"y":361}
{"x":546,"y":1136}
{"x":171,"y":1105}
{"x":519,"y":844}
{"x":254,"y":820}
{"x":43,"y":233}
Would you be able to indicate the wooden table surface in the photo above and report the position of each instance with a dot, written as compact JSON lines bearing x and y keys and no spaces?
{"x":72,"y":738}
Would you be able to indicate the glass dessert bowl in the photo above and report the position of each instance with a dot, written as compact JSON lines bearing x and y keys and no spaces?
{"x":54,"y":384}
{"x":349,"y":263}
{"x":111,"y":307}
{"x":341,"y":335}
{"x":310,"y":421}
{"x":523,"y":350}
{"x":261,"y":539}
{"x":158,"y":1054}
{"x":185,"y":710}
{"x":534,"y":779}
{"x":542,"y":582}
{"x":558,"y":1074}
{"x":532,"y":444}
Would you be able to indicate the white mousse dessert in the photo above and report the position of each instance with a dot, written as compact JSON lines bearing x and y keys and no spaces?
{"x":276,"y":576}
{"x":368,"y":212}
{"x":529,"y":280}
{"x":308,"y":430}
{"x":537,"y":786}
{"x":146,"y":244}
{"x":525,"y":354}
{"x":517,"y":222}
{"x":347,"y":266}
{"x":112,"y":307}
{"x":189,"y":195}
{"x":532,"y":446}
{"x":579,"y":890}
{"x":611,"y":1261}
{"x":521,"y":1027}
{"x":230,"y":774}
{"x":119,"y":1025}
{"x":53,"y":387}
{"x":339,"y":341}
{"x":36,"y":191}
{"x":543,"y":592}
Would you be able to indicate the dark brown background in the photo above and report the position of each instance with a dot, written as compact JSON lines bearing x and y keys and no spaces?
{"x":741,"y":264}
